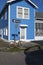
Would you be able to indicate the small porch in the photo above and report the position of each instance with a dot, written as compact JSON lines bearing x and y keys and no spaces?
{"x":39,"y":29}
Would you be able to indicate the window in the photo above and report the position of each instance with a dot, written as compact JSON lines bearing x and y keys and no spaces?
{"x":39,"y":29}
{"x":26,"y":13}
{"x":23,"y":12}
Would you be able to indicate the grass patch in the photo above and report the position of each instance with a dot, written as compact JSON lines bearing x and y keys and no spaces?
{"x":15,"y":49}
{"x":11,"y":49}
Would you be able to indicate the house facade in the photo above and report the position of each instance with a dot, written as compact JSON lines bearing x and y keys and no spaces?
{"x":39,"y":26}
{"x":17,"y":20}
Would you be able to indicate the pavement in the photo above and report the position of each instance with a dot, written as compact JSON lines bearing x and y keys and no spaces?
{"x":17,"y":58}
{"x":22,"y":58}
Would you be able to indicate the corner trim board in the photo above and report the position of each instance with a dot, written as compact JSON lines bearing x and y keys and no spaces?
{"x":9,"y":22}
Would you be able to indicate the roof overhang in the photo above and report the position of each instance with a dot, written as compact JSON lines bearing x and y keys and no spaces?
{"x":9,"y":1}
{"x":25,"y":0}
{"x":33,"y":3}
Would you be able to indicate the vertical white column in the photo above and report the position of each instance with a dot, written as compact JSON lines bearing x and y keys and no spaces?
{"x":9,"y":22}
{"x":2,"y":33}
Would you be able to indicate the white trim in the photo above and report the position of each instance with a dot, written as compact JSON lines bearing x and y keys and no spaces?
{"x":23,"y":12}
{"x":34,"y":24}
{"x":6,"y":32}
{"x":33,"y":3}
{"x":28,"y":0}
{"x":38,"y":21}
{"x":38,"y":37}
{"x":24,"y":25}
{"x":10,"y":1}
{"x":9,"y":22}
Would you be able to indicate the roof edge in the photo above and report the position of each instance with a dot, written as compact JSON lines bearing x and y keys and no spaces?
{"x":33,"y":3}
{"x":25,"y":0}
{"x":10,"y":1}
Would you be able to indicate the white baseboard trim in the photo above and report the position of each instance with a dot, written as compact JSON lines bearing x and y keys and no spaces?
{"x":39,"y":38}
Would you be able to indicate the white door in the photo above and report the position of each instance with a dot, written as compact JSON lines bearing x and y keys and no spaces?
{"x":23,"y":34}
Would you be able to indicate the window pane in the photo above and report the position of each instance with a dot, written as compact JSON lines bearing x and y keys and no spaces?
{"x":26,"y":13}
{"x":19,"y":15}
{"x":19,"y":12}
{"x":39,"y":29}
{"x":25,"y":16}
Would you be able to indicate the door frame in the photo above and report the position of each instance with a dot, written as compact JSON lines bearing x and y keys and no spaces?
{"x":25,"y":34}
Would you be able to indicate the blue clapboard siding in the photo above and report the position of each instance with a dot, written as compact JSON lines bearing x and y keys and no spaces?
{"x":3,"y":24}
{"x":29,"y":22}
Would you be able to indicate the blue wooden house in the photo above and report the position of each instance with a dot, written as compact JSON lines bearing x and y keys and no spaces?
{"x":17,"y":20}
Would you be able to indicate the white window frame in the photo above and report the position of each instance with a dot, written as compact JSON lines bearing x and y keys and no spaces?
{"x":22,"y":12}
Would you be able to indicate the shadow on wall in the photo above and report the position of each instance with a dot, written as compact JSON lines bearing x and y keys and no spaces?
{"x":34,"y":57}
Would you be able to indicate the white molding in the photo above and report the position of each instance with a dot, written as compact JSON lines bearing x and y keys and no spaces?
{"x":9,"y":1}
{"x":38,"y":37}
{"x":23,"y":25}
{"x":38,"y":21}
{"x":34,"y":24}
{"x":33,"y":3}
{"x":9,"y":22}
{"x":28,"y":0}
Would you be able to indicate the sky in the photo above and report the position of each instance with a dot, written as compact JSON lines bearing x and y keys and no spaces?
{"x":39,"y":3}
{"x":2,"y":3}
